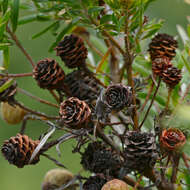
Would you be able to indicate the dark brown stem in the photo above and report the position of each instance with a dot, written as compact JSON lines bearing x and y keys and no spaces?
{"x":175,"y":164}
{"x":147,"y":97}
{"x":54,"y":95}
{"x":37,"y":98}
{"x":161,"y":184}
{"x":185,"y":159}
{"x":54,"y":160}
{"x":14,"y":37}
{"x":151,"y":103}
{"x":128,"y":59}
{"x":16,"y":75}
{"x":35,"y":112}
{"x":92,"y":46}
{"x":132,"y":183}
{"x":168,"y":98}
{"x":106,"y":139}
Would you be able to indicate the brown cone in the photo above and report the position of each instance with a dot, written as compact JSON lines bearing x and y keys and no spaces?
{"x":98,"y":158}
{"x":74,"y":113}
{"x":162,"y":45}
{"x":159,"y":65}
{"x":171,"y":76}
{"x":94,"y":182}
{"x":72,"y":51}
{"x":7,"y":95}
{"x":140,"y":151}
{"x":82,"y":86}
{"x":49,"y":74}
{"x":18,"y":150}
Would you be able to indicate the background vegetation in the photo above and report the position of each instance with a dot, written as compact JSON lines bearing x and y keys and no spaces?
{"x":30,"y":177}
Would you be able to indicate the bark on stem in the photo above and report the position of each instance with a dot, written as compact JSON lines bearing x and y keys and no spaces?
{"x":14,"y":37}
{"x":16,"y":75}
{"x":128,"y":59}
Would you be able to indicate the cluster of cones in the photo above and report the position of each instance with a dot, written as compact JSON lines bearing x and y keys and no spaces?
{"x":162,"y":50}
{"x":82,"y":89}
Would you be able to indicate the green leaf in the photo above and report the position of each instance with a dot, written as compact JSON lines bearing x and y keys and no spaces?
{"x":6,"y":85}
{"x":186,"y":63}
{"x":95,"y":9}
{"x":27,"y":19}
{"x":14,"y":14}
{"x":5,"y":6}
{"x":66,"y":30}
{"x":3,"y":22}
{"x":188,"y":30}
{"x":6,"y":58}
{"x":44,"y":30}
{"x":182,"y":34}
{"x":106,"y":19}
{"x":4,"y":45}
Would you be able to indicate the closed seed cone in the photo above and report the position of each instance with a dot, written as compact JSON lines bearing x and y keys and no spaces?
{"x":48,"y":74}
{"x":159,"y":65}
{"x":18,"y":150}
{"x":163,"y":45}
{"x":55,"y":178}
{"x":171,"y":76}
{"x":12,"y":114}
{"x":115,"y":184}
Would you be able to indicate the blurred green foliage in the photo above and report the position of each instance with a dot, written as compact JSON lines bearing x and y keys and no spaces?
{"x":172,"y":11}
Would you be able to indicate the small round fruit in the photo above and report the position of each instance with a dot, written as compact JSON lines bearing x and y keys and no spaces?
{"x":115,"y":184}
{"x":12,"y":114}
{"x":55,"y":178}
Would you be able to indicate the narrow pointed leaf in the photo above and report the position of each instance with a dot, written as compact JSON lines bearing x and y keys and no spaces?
{"x":14,"y":14}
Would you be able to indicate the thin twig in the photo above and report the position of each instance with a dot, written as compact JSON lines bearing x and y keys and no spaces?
{"x":128,"y":58}
{"x":54,"y":95}
{"x":168,"y":98}
{"x":36,"y":98}
{"x":35,"y":112}
{"x":132,"y":183}
{"x":147,"y":97}
{"x":175,"y":160}
{"x":92,"y":46}
{"x":16,"y":75}
{"x":14,"y":37}
{"x":151,"y":103}
{"x":54,"y":160}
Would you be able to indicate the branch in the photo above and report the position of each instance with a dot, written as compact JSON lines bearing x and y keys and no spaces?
{"x":153,"y":98}
{"x":14,"y":37}
{"x":16,"y":75}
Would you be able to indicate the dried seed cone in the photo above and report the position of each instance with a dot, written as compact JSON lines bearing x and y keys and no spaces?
{"x":7,"y":95}
{"x":171,"y":76}
{"x":18,"y":150}
{"x":172,"y":139}
{"x":49,"y":74}
{"x":94,"y":182}
{"x":118,"y":96}
{"x":97,"y":158}
{"x":115,"y":184}
{"x":82,"y":86}
{"x":159,"y":65}
{"x":72,"y":51}
{"x":74,"y":113}
{"x":140,"y":152}
{"x":12,"y":114}
{"x":163,"y":45}
{"x":55,"y":178}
